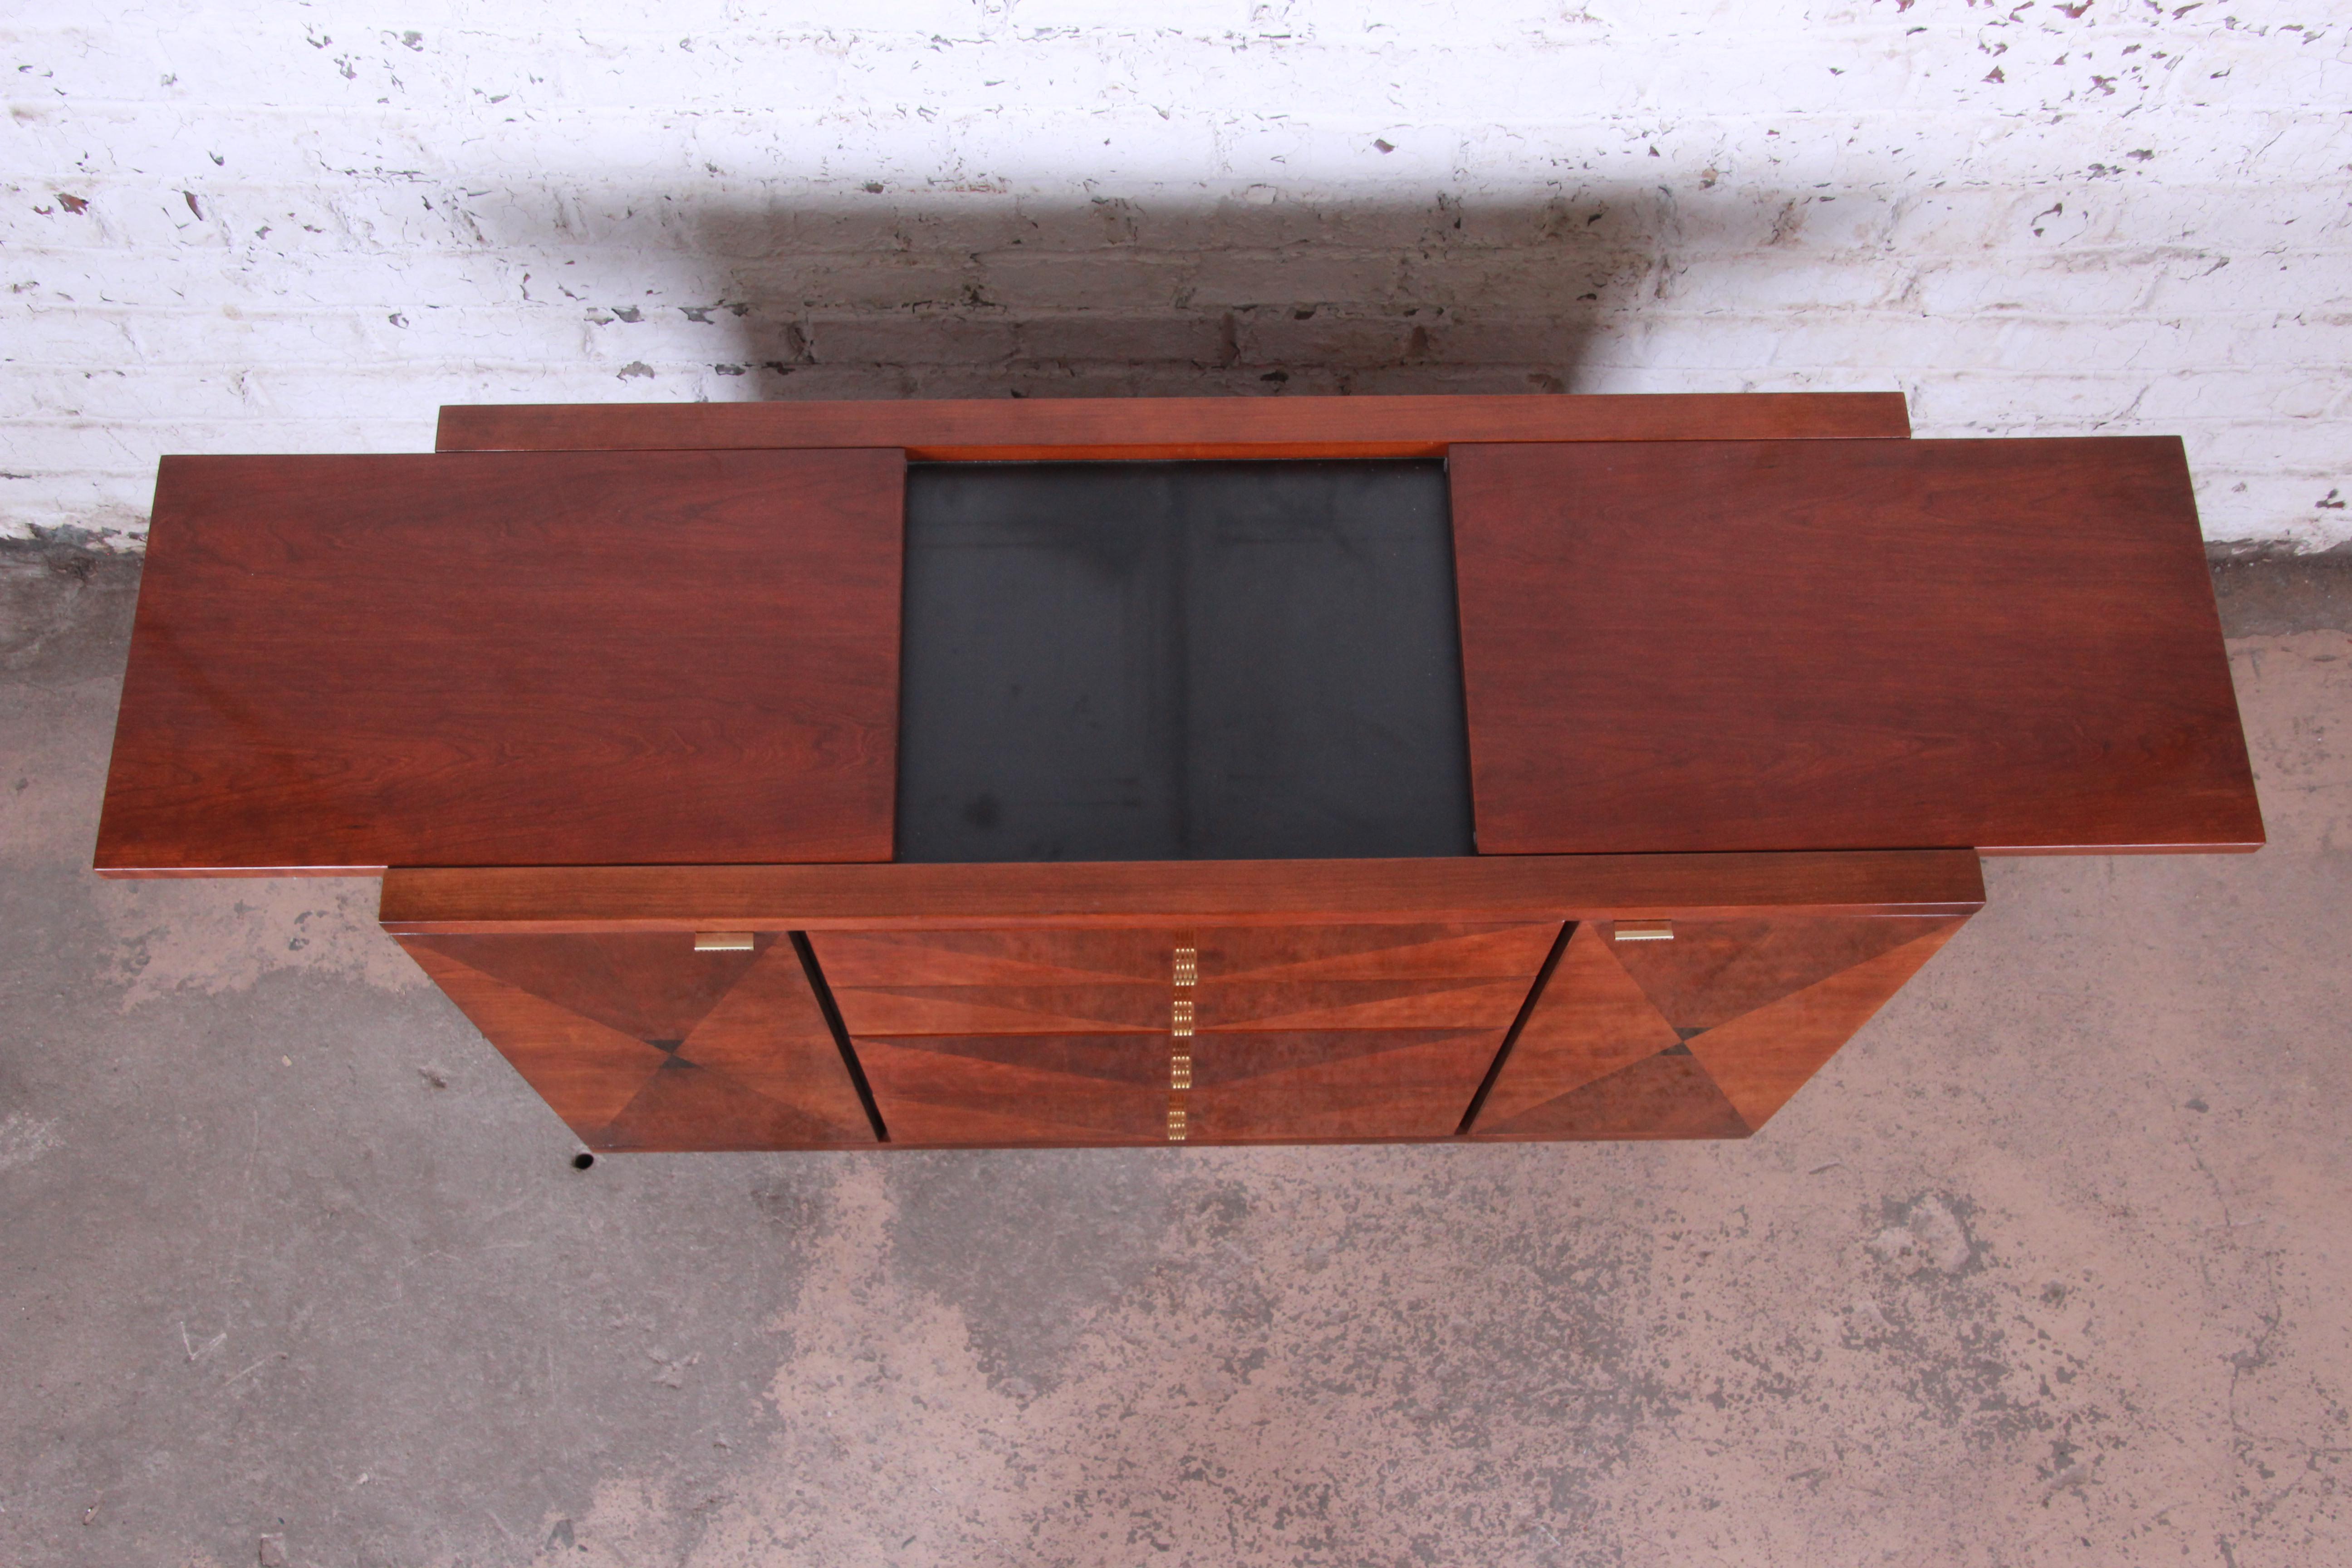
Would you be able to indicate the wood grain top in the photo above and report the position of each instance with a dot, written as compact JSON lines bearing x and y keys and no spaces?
{"x":1737,"y":646}
{"x":344,"y":663}
{"x":1157,"y":893}
{"x":1112,"y":428}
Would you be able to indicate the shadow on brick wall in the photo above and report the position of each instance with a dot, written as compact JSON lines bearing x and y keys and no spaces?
{"x":978,"y":295}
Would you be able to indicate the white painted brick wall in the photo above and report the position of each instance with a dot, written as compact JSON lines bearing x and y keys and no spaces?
{"x":302,"y":227}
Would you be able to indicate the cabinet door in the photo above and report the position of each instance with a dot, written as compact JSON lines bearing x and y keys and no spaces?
{"x":1702,"y":1036}
{"x":639,"y":1042}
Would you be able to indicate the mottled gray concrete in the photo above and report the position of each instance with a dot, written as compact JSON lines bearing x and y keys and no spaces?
{"x":2047,"y":1267}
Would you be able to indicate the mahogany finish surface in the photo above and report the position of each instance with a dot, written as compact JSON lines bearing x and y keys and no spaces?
{"x":641,"y":1043}
{"x":1702,"y":1037}
{"x":342,"y":664}
{"x":1131,"y":428}
{"x":1159,"y":895}
{"x":1727,"y":646}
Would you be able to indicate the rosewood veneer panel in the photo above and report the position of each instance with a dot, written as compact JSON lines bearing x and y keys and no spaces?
{"x":638,"y":1042}
{"x":1131,"y":428}
{"x":1307,"y":978}
{"x":1727,"y":646}
{"x":1702,"y":1037}
{"x":1114,"y":1089}
{"x":1017,"y":1090}
{"x":349,"y":663}
{"x":1351,"y":1084}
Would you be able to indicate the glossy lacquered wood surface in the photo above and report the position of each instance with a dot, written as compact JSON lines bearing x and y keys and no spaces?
{"x":1159,"y":896}
{"x":1702,"y":1037}
{"x":347,"y":663}
{"x":2010,"y":645}
{"x":1129,"y":428}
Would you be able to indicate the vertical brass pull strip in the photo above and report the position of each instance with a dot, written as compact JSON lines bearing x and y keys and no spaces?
{"x":1184,"y":972}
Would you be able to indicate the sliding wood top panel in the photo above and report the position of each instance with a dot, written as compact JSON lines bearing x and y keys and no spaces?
{"x":1828,"y":645}
{"x":1132,"y":428}
{"x":555,"y":899}
{"x":341,"y":664}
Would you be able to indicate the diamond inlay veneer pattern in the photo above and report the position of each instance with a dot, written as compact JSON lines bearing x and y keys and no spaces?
{"x":1702,"y":1037}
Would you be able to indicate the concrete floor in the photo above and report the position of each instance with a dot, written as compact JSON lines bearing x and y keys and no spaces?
{"x":2049,"y":1266}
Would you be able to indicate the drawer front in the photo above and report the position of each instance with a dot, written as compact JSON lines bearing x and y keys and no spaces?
{"x":1151,"y":1010}
{"x":1054,"y":958}
{"x":1705,"y":1036}
{"x":1278,"y":978}
{"x":637,"y":1041}
{"x":1043,"y":1089}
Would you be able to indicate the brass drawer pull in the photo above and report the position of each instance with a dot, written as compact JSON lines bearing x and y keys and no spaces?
{"x":1645,"y":930}
{"x":722,"y":941}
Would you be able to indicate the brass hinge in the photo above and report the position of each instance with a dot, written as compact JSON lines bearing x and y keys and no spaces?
{"x":1179,"y":1070}
{"x":1179,"y":1020}
{"x":1177,"y":1128}
{"x":1188,"y":966}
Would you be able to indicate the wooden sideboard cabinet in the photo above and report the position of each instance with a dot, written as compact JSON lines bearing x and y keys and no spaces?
{"x":1150,"y":771}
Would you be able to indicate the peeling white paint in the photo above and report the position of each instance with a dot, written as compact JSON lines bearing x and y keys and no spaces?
{"x":229,"y":230}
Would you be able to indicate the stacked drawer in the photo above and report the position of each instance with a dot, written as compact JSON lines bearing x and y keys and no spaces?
{"x":1217,"y":1035}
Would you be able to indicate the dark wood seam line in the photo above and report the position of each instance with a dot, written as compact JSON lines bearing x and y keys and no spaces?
{"x":832,"y":1021}
{"x":1503,"y":1055}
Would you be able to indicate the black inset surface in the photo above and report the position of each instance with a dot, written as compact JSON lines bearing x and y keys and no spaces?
{"x":1170,"y":662}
